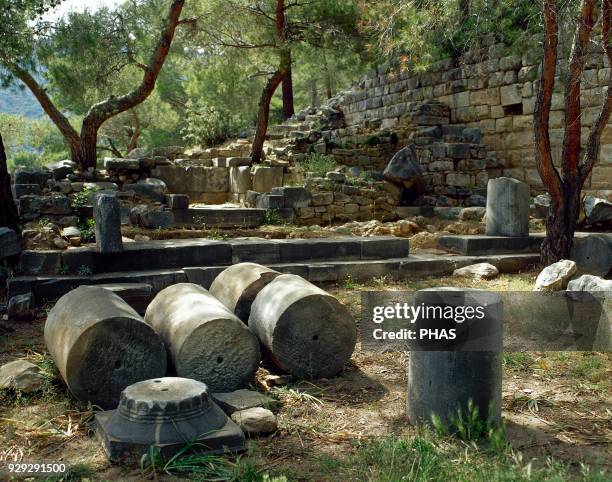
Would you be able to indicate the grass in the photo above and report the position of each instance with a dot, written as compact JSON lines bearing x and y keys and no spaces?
{"x":320,"y":164}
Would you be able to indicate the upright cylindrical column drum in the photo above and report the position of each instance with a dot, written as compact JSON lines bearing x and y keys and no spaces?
{"x":507,"y":207}
{"x":101,"y":345}
{"x":206,"y":341}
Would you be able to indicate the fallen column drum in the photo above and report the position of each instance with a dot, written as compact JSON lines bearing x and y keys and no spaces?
{"x":206,"y":341}
{"x":237,"y":286}
{"x":101,"y":345}
{"x":308,"y":332}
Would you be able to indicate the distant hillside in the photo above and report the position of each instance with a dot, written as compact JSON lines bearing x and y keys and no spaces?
{"x":19,"y":101}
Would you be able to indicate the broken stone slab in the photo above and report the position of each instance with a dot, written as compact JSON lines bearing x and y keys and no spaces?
{"x":474,"y":213}
{"x":242,"y":399}
{"x":237,"y":286}
{"x":128,"y":164}
{"x":507,"y":207}
{"x":474,"y":245}
{"x":240,"y":179}
{"x":166,"y":413}
{"x":588,"y":282}
{"x":206,"y":341}
{"x":107,"y":216}
{"x":101,"y":345}
{"x":295,"y":196}
{"x":21,"y":375}
{"x":477,"y":271}
{"x":309,"y":332}
{"x":556,"y":276}
{"x":593,"y":253}
{"x":440,"y":382}
{"x":270,"y":201}
{"x":255,"y":420}
{"x":9,"y":243}
{"x":21,"y":307}
{"x":59,"y":170}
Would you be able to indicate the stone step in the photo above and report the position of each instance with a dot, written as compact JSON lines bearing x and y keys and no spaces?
{"x":474,"y":245}
{"x":180,"y":253}
{"x":49,"y":288}
{"x":221,"y":217}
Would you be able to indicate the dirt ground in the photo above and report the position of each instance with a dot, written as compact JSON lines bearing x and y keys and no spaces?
{"x":557,"y":410}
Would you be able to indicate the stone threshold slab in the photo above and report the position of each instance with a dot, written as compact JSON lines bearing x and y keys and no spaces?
{"x":164,"y":254}
{"x":474,"y":245}
{"x":49,"y":288}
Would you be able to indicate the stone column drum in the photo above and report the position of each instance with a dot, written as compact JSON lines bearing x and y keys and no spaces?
{"x":593,"y":253}
{"x":507,"y":207}
{"x":101,"y":345}
{"x":108,"y":223}
{"x":440,"y":382}
{"x":237,"y":286}
{"x":308,"y":332}
{"x":206,"y":341}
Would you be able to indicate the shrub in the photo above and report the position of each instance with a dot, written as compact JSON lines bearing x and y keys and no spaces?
{"x":320,"y":164}
{"x":88,"y":230}
{"x":207,"y":124}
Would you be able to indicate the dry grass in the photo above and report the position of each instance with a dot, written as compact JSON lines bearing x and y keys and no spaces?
{"x":556,"y":406}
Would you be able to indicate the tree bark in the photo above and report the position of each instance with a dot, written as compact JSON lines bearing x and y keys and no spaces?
{"x":8,"y":210}
{"x":326,"y":76}
{"x":264,"y":114}
{"x":288,"y":109}
{"x":565,"y":188}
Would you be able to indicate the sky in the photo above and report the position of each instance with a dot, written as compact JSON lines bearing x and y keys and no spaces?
{"x":79,"y":5}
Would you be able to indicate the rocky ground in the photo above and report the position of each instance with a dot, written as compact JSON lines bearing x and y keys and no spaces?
{"x":556,"y":407}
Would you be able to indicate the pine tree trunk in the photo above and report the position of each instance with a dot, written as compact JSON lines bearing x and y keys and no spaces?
{"x":88,"y":154}
{"x":288,"y":109}
{"x":560,"y":226}
{"x":264,"y":114}
{"x":8,"y":210}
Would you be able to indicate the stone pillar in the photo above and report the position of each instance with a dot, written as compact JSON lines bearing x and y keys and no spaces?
{"x":107,"y":215}
{"x":507,"y":207}
{"x":237,"y":286}
{"x":101,"y":345}
{"x":206,"y":341}
{"x":309,"y":332}
{"x":439,"y":382}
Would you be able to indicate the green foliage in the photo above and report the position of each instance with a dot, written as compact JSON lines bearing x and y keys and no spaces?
{"x":320,"y":164}
{"x":24,"y":159}
{"x":272,"y":217}
{"x":207,"y":125}
{"x":88,"y":230}
{"x":469,"y":425}
{"x":81,"y":198}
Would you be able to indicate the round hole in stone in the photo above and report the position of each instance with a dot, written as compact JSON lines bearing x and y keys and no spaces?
{"x":219,"y":359}
{"x":157,"y":381}
{"x":164,"y":389}
{"x":315,"y":337}
{"x":117,"y":364}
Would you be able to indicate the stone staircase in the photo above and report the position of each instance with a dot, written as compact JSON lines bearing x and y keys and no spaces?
{"x":158,"y":264}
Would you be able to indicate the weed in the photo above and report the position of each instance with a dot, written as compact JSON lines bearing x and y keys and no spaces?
{"x":272,"y":217}
{"x":320,"y":164}
{"x":349,"y":282}
{"x":590,"y":367}
{"x":81,"y":198}
{"x":468,"y":426}
{"x":518,"y":361}
{"x":88,"y":230}
{"x":84,"y":270}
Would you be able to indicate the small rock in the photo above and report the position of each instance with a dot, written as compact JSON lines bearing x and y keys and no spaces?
{"x":71,"y":232}
{"x":21,"y":375}
{"x":474,"y":213}
{"x":60,"y":243}
{"x":242,"y":399}
{"x":406,"y":228}
{"x":556,"y":276}
{"x":277,"y":380}
{"x":597,"y":211}
{"x":75,"y":241}
{"x":255,"y":420}
{"x":21,"y":307}
{"x":588,"y":282}
{"x":477,"y":271}
{"x":141,"y":237}
{"x":336,"y":176}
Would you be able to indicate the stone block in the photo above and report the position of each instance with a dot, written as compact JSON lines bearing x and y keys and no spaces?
{"x":121,"y":163}
{"x":458,"y":150}
{"x":267,"y":178}
{"x":507,"y":207}
{"x":322,"y":198}
{"x":381,"y":247}
{"x":270,"y":201}
{"x":107,"y":216}
{"x":240,"y":179}
{"x":477,"y":245}
{"x":295,"y":196}
{"x":31,"y":175}
{"x":9,"y":243}
{"x":242,"y":399}
{"x":40,"y":262}
{"x":510,"y":94}
{"x":20,"y":190}
{"x":177,"y":201}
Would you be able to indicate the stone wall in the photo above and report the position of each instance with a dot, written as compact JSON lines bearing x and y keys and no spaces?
{"x":488,"y":89}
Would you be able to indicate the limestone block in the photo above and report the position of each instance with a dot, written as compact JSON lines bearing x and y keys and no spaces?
{"x":107,"y":216}
{"x":510,"y":94}
{"x":267,"y":178}
{"x":240,"y":179}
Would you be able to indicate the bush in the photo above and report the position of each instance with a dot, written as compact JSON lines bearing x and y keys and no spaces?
{"x":320,"y":164}
{"x":207,"y":124}
{"x":24,"y":159}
